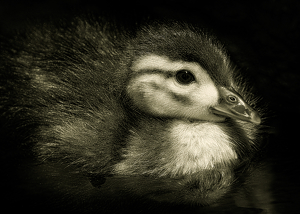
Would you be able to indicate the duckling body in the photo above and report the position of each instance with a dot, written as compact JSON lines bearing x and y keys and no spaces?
{"x":164,"y":108}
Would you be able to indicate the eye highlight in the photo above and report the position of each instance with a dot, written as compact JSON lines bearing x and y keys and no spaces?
{"x":184,"y":77}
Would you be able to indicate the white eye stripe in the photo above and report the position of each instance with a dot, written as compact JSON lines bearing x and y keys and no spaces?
{"x":166,"y":74}
{"x":160,"y":63}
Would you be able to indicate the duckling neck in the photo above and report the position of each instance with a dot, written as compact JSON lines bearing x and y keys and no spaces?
{"x":206,"y":143}
{"x":175,"y":148}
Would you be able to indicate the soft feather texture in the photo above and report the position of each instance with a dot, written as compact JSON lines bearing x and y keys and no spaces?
{"x":65,"y":94}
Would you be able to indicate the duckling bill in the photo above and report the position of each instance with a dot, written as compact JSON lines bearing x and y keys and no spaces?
{"x":164,"y":113}
{"x":233,"y":105}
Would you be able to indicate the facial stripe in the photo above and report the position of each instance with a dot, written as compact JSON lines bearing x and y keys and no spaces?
{"x":183,"y":99}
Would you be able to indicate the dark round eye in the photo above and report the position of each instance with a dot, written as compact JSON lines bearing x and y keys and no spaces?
{"x":184,"y":77}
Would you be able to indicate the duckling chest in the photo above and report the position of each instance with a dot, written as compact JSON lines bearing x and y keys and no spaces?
{"x":181,"y":149}
{"x":200,"y":146}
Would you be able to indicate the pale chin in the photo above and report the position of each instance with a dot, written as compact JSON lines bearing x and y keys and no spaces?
{"x":210,"y":118}
{"x":218,"y":119}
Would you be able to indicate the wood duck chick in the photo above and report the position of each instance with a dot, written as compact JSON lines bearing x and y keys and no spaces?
{"x":198,"y":125}
{"x":164,"y":112}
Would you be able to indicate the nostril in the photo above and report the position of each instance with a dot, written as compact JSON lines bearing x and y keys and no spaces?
{"x":231,"y":99}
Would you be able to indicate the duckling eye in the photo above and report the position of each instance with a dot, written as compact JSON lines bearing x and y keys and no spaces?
{"x":184,"y":77}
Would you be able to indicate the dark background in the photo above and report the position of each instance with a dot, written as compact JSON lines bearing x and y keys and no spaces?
{"x":262,"y":37}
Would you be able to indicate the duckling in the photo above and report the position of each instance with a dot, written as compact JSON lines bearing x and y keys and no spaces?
{"x":164,"y":112}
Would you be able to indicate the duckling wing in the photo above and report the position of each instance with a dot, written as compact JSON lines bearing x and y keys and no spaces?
{"x":61,"y":84}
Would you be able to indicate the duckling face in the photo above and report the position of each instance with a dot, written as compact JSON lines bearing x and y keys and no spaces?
{"x":174,"y":89}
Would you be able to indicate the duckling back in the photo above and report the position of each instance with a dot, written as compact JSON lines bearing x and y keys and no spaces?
{"x":64,"y":86}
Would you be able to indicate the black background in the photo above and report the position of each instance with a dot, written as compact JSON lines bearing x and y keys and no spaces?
{"x":262,"y":37}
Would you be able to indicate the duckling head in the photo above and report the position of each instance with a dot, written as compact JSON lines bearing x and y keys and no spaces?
{"x":181,"y":72}
{"x":184,"y":90}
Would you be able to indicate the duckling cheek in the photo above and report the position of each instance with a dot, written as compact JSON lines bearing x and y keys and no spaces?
{"x":154,"y":95}
{"x":206,"y":95}
{"x":202,"y":98}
